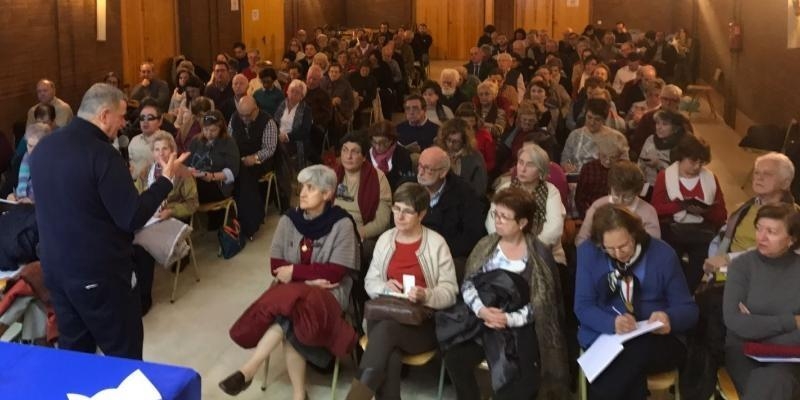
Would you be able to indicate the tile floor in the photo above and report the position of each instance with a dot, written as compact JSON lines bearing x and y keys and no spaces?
{"x":193,"y":332}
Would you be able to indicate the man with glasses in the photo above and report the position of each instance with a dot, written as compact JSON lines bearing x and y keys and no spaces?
{"x":670,"y":98}
{"x":220,"y":90}
{"x":151,"y":86}
{"x":456,"y":212}
{"x":416,"y":133}
{"x":636,"y":90}
{"x":476,"y":67}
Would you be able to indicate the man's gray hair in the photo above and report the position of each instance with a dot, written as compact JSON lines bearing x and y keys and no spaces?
{"x":319,"y":176}
{"x":671,"y":90}
{"x":296,"y":83}
{"x":37,"y":131}
{"x":785,"y":165}
{"x":100,"y":96}
{"x":451,"y":73}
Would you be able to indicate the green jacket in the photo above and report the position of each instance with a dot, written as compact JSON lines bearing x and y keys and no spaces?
{"x":182,"y":200}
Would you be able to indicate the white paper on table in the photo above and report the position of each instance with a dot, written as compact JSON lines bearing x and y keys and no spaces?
{"x":599,"y":355}
{"x":607,"y":347}
{"x":642,"y":327}
{"x":135,"y":387}
{"x":776,"y":359}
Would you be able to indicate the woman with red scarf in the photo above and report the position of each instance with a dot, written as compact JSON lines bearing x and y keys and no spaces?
{"x":393,"y":160}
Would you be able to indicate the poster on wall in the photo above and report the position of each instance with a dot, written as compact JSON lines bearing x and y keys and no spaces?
{"x":573,"y":3}
{"x":793,"y":28}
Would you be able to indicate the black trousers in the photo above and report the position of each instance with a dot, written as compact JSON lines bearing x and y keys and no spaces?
{"x":389,"y":341}
{"x":143,"y":265}
{"x":461,"y":361}
{"x":209,"y":192}
{"x":249,"y":200}
{"x":103,"y":312}
{"x":626,"y":377}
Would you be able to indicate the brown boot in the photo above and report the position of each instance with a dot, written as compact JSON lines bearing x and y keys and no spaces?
{"x":359,"y":391}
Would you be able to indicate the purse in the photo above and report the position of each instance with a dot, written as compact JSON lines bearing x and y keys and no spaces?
{"x":396,"y":309}
{"x":231,"y":242}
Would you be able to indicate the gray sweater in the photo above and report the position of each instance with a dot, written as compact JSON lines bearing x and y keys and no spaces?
{"x":768,"y":288}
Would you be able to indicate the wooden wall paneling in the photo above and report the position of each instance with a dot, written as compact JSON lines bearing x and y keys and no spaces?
{"x":149,"y":33}
{"x":316,"y":13}
{"x":465,"y":27}
{"x":267,"y":33}
{"x":229,"y":25}
{"x":488,"y":14}
{"x":564,"y":17}
{"x":534,"y":14}
{"x":504,"y":17}
{"x":434,"y":15}
{"x":132,"y":40}
{"x":195,"y":36}
{"x":370,"y":13}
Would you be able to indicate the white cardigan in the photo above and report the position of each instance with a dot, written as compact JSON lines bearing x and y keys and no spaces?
{"x":434,"y":258}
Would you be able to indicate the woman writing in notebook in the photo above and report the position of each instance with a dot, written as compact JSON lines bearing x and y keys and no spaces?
{"x":625,"y":276}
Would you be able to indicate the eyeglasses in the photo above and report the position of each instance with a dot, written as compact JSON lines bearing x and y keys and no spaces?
{"x":210,"y":118}
{"x":501,"y":217}
{"x":148,"y":117}
{"x":622,"y":198}
{"x":615,"y":250}
{"x":428,"y":169}
{"x":408,"y":212}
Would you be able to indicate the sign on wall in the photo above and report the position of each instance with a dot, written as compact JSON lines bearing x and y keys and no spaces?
{"x":793,"y":27}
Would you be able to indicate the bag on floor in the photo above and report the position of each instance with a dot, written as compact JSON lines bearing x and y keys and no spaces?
{"x":231,"y":242}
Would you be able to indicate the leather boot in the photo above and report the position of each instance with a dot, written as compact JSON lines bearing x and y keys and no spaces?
{"x":365,"y":384}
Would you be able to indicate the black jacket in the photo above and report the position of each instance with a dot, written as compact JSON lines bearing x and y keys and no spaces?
{"x":87,"y":207}
{"x":18,"y":238}
{"x":458,"y":216}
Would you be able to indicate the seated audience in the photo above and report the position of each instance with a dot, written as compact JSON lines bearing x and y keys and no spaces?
{"x":182,"y":115}
{"x":593,"y":178}
{"x":220,"y":90}
{"x":46,"y":94}
{"x":214,"y":160}
{"x":656,"y":150}
{"x":407,"y":249}
{"x":388,"y":156}
{"x":23,"y":189}
{"x":313,"y":258}
{"x":151,"y":86}
{"x":530,"y":174}
{"x":179,"y":93}
{"x":581,"y":147}
{"x":294,"y":120}
{"x":625,"y":276}
{"x":458,"y":140}
{"x":435,"y":111}
{"x":625,"y":181}
{"x":363,"y":190}
{"x":636,"y":90}
{"x":140,"y":151}
{"x":366,"y":86}
{"x":523,"y":318}
{"x":456,"y":210}
{"x":690,"y":204}
{"x":492,"y":109}
{"x":452,"y":93}
{"x":268,"y":96}
{"x":760,"y":307}
{"x":193,"y":125}
{"x":483,"y":138}
{"x":342,"y":100}
{"x":529,"y":118}
{"x":670,"y":99}
{"x":652,"y":102}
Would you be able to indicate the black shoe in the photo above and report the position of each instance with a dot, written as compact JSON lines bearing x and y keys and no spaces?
{"x":234,"y":384}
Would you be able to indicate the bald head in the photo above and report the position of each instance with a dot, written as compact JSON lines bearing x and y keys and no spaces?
{"x":248,"y":109}
{"x":239,"y":84}
{"x":314,"y":77}
{"x":45,"y":91}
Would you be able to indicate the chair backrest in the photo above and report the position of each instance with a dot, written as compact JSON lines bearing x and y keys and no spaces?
{"x":764,"y":137}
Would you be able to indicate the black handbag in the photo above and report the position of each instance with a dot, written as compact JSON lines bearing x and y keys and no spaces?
{"x":396,"y":309}
{"x":231,"y":242}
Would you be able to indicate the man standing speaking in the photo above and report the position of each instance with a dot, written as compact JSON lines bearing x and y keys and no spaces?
{"x":87,"y":210}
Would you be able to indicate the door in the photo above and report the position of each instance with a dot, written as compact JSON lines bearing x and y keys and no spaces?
{"x":149,"y":33}
{"x":263,"y":28}
{"x":454,"y":24}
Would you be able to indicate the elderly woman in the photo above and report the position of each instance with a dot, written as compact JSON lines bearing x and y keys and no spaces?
{"x":23,"y":189}
{"x":512,"y":256}
{"x":760,"y":306}
{"x":625,"y":181}
{"x":689,"y":202}
{"x":313,"y":245}
{"x":193,"y":126}
{"x":581,"y":146}
{"x":408,"y":249}
{"x":363,"y":190}
{"x":385,"y":154}
{"x":437,"y":112}
{"x":490,"y":109}
{"x":182,"y":201}
{"x":528,"y":123}
{"x":215,"y":159}
{"x":655,"y":154}
{"x":483,"y":138}
{"x":457,"y":138}
{"x":140,"y":152}
{"x":294,"y":123}
{"x":530,"y":174}
{"x":593,"y":178}
{"x":625,"y":276}
{"x":651,"y":102}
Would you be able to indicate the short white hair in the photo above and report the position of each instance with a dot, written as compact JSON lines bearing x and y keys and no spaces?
{"x":298,"y":84}
{"x":671,"y":90}
{"x":785,"y":165}
{"x":451,"y":73}
{"x":319,"y":176}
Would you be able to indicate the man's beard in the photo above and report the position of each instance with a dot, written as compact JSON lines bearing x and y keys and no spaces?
{"x":448,"y":91}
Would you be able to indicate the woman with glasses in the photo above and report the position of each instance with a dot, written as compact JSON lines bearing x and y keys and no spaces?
{"x":624,"y":276}
{"x":593,"y":178}
{"x":363,"y":191}
{"x":655,"y":154}
{"x":457,"y":138}
{"x":388,"y":156}
{"x":508,"y":264}
{"x":140,"y":153}
{"x":214,"y":161}
{"x":313,"y":259}
{"x":530,"y":174}
{"x":408,"y":252}
{"x":690,"y":204}
{"x":625,"y":181}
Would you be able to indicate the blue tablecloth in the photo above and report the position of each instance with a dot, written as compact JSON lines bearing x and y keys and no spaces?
{"x":33,"y":373}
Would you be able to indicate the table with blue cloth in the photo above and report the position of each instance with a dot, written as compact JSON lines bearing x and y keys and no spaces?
{"x":33,"y":373}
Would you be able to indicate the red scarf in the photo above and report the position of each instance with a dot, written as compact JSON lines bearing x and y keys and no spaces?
{"x":369,"y":190}
{"x":382,"y":159}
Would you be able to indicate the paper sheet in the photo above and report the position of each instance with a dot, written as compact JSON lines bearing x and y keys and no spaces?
{"x":607,"y":347}
{"x":776,"y":359}
{"x":135,"y":387}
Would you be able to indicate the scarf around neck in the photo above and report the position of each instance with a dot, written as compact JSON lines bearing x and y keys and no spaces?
{"x":382,"y":159}
{"x":540,"y":194}
{"x":369,"y":190}
{"x":321,"y":225}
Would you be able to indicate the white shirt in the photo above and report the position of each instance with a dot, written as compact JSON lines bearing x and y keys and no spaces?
{"x":287,"y":119}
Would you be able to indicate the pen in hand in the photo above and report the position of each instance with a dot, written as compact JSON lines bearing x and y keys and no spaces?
{"x":615,"y":310}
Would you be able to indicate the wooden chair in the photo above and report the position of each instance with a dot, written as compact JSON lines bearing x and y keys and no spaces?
{"x":271,"y":181}
{"x":725,"y":386}
{"x":655,"y":382}
{"x":695,"y":91}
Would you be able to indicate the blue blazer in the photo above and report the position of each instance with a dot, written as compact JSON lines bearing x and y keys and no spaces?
{"x":663,"y":288}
